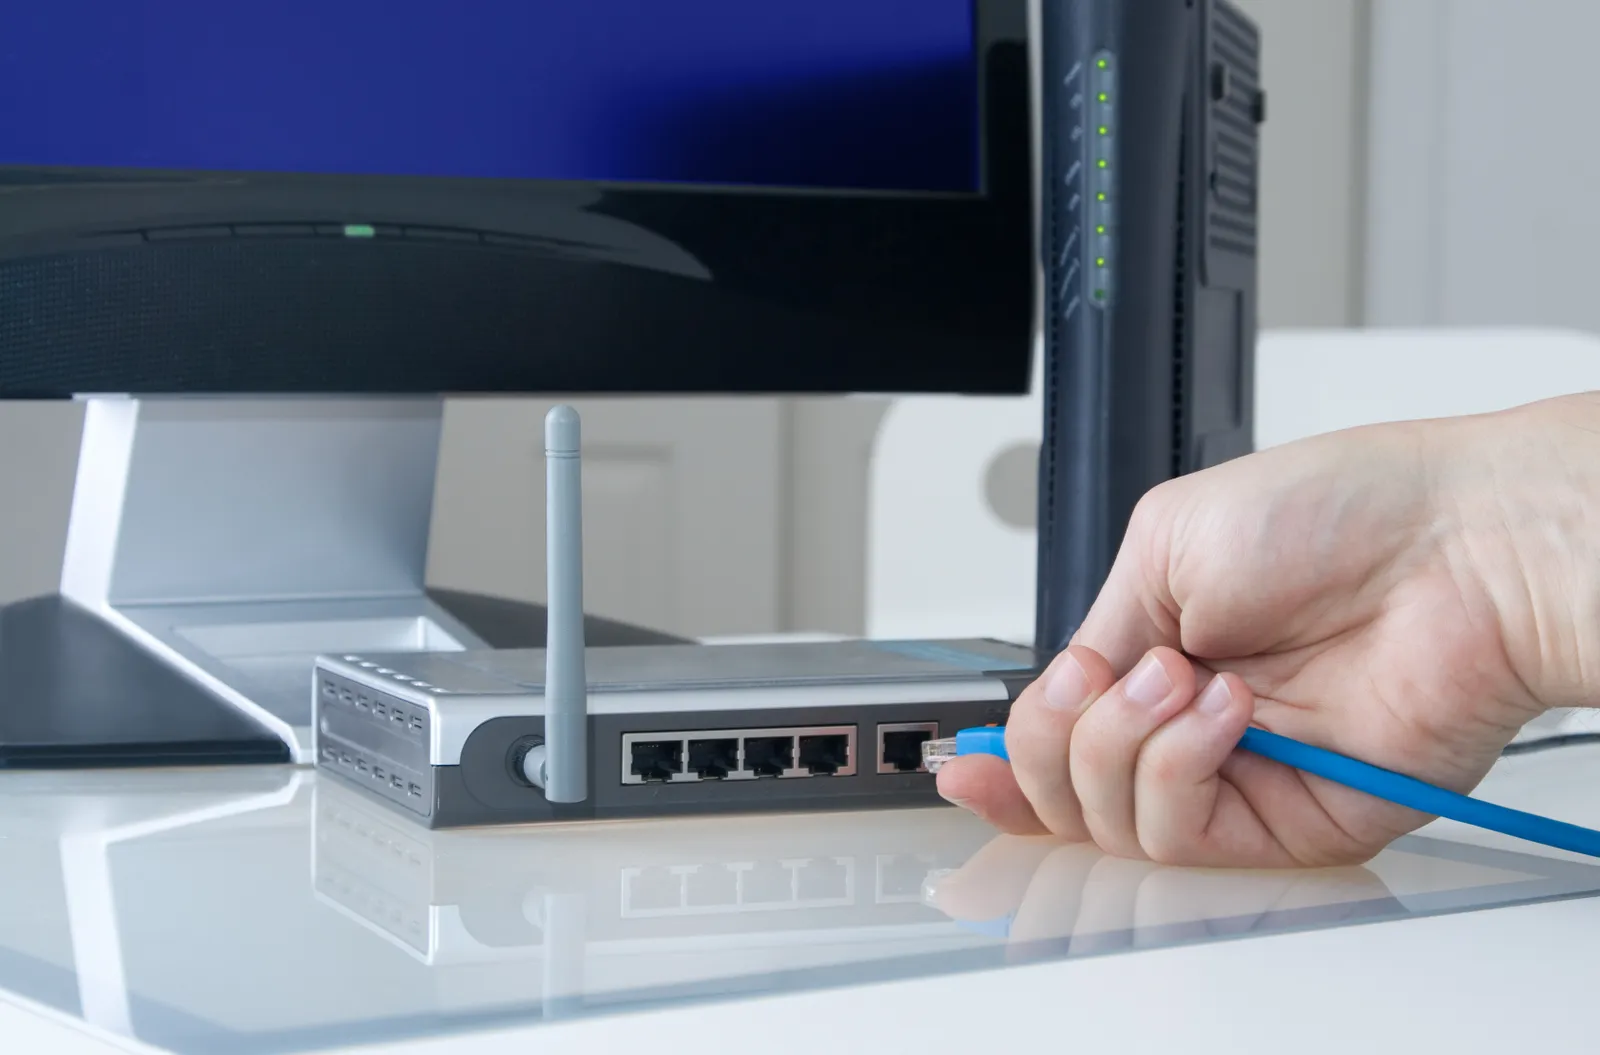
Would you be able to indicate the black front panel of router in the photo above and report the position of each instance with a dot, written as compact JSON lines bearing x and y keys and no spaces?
{"x":484,"y":789}
{"x":879,"y":768}
{"x":1149,"y":195}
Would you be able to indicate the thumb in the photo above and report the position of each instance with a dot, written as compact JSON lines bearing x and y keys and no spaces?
{"x":1135,"y":610}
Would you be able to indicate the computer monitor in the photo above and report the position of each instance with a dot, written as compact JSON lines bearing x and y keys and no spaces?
{"x":206,"y":209}
{"x":638,"y":196}
{"x":373,"y":204}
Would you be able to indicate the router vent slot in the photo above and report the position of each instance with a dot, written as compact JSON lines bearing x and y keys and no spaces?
{"x":364,"y":736}
{"x":1233,"y":132}
{"x":392,"y":781}
{"x":397,"y":716}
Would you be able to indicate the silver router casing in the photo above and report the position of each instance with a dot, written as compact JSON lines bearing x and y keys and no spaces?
{"x":440,"y":736}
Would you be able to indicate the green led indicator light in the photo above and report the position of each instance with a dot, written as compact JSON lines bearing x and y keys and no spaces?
{"x":1104,"y":130}
{"x":1099,"y":294}
{"x":1102,"y":97}
{"x":1102,"y":64}
{"x":358,"y":230}
{"x":1099,"y":228}
{"x":1100,"y":196}
{"x":1101,"y":162}
{"x":1099,"y":261}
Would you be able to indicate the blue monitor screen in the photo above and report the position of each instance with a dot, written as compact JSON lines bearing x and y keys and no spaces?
{"x":853,"y":94}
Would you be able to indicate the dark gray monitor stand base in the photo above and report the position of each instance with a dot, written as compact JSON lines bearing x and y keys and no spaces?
{"x":214,"y":547}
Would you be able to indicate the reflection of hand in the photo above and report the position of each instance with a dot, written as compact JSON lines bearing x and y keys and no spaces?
{"x":1410,"y":595}
{"x":1052,"y":889}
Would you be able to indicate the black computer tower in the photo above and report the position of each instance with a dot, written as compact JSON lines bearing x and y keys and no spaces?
{"x":1150,"y":113}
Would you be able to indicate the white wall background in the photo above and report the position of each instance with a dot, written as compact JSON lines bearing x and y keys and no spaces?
{"x":1485,"y":163}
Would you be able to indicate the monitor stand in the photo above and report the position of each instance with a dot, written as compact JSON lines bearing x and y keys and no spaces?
{"x":215,"y":547}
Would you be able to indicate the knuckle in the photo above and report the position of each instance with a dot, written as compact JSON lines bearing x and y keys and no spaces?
{"x":1024,"y":739}
{"x":1162,"y":768}
{"x":1148,"y":510}
{"x":1153,"y":511}
{"x":1036,"y":735}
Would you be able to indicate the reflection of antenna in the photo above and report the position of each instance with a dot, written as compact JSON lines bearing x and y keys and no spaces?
{"x":562,"y":919}
{"x":560,"y":764}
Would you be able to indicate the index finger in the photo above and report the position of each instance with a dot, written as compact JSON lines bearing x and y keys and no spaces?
{"x":1039,"y":736}
{"x":1033,"y":793}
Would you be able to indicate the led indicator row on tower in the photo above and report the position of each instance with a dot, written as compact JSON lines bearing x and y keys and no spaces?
{"x":1102,"y":175}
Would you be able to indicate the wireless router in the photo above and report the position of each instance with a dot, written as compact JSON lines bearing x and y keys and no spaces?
{"x":566,"y":732}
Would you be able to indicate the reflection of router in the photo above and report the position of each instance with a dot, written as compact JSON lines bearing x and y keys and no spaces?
{"x":691,"y":890}
{"x":484,"y":737}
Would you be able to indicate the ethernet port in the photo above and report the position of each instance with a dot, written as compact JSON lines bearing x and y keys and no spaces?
{"x":824,"y":755}
{"x":713,"y":759}
{"x":657,"y":759}
{"x":902,"y":750}
{"x":768,"y":756}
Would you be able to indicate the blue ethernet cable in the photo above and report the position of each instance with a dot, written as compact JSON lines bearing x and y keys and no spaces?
{"x":1379,"y":783}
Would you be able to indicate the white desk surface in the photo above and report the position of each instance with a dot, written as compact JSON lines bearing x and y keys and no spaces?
{"x":263,"y":910}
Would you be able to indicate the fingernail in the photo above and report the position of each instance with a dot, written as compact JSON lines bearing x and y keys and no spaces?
{"x":954,"y":802}
{"x":1068,"y":686}
{"x":1215,"y":698}
{"x":1148,"y":685}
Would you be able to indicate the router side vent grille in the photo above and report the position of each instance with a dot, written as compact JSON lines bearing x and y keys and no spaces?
{"x":1234,"y":111}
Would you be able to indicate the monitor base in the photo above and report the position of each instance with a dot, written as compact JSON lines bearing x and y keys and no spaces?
{"x":75,"y":692}
{"x":215,"y":548}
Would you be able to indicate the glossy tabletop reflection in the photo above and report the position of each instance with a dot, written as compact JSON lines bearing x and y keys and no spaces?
{"x":264,"y":910}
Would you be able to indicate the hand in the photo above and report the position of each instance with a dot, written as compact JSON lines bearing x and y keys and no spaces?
{"x":1406,"y":594}
{"x":1044,"y":891}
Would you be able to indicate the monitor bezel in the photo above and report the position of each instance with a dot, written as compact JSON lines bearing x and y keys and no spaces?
{"x":848,"y":290}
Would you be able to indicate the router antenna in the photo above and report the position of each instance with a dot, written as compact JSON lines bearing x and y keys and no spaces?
{"x":562,"y":766}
